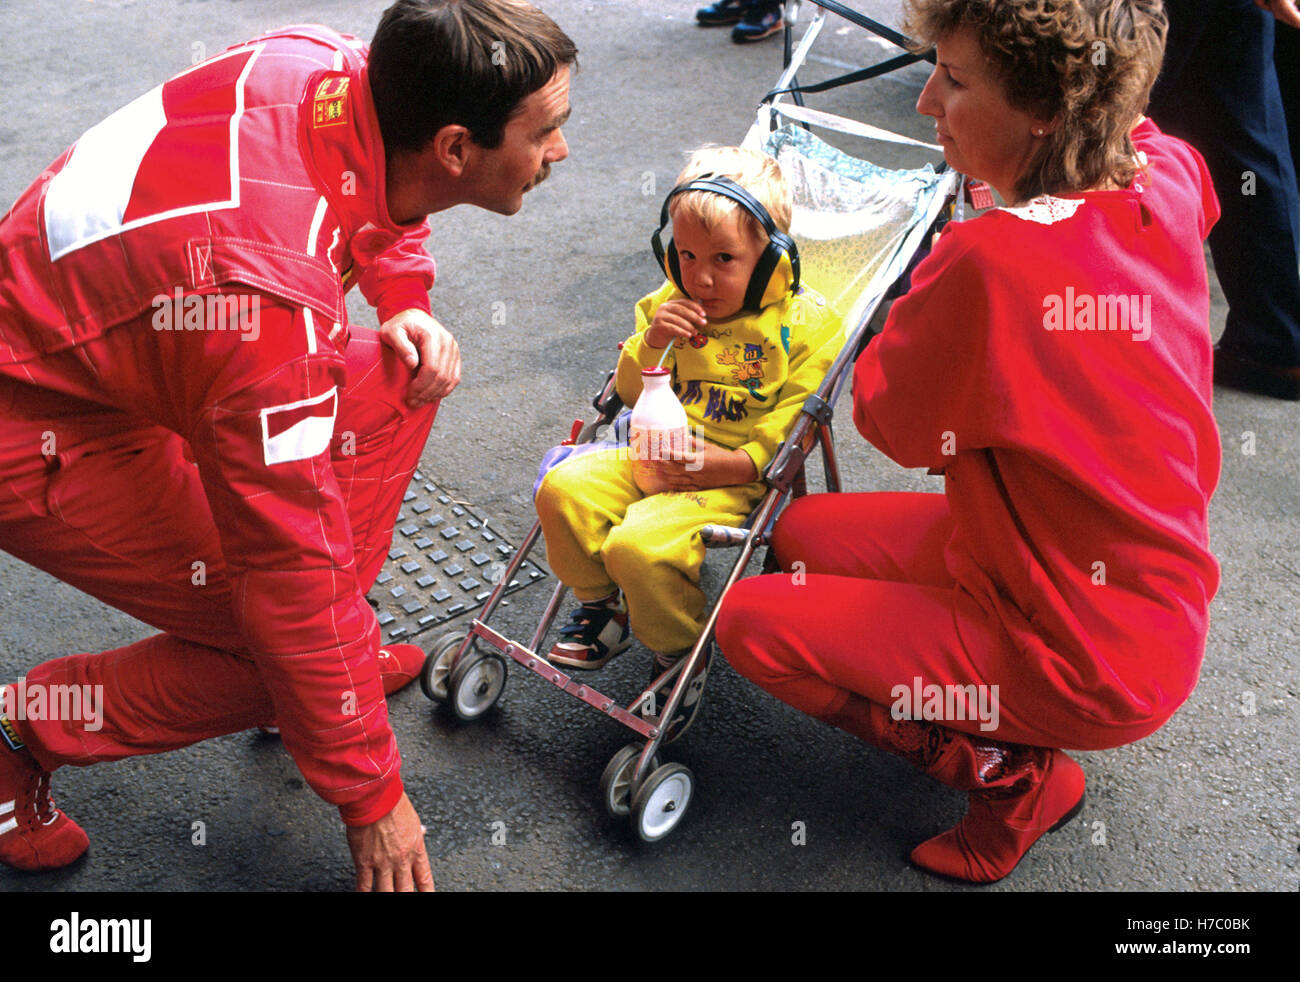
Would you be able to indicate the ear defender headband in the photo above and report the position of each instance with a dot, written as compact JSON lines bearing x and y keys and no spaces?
{"x":777,"y":271}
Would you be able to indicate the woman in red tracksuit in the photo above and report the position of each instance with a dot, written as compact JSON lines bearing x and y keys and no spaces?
{"x":1053,"y":361}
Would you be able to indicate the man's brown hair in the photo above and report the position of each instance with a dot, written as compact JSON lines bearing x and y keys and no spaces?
{"x":434,"y":63}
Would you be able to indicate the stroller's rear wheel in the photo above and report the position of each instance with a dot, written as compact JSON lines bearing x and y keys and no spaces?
{"x":433,"y":679}
{"x":476,"y":683}
{"x":616,"y":783}
{"x":660,"y":803}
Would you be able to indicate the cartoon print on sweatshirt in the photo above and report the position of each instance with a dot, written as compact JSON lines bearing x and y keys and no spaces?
{"x":748,"y":371}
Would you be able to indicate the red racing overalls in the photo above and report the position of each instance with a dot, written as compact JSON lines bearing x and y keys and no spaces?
{"x":190,"y":431}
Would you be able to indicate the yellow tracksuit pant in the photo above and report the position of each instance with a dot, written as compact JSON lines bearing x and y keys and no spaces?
{"x":602,"y":532}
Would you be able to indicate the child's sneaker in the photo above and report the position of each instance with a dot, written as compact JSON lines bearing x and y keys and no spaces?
{"x":34,"y":835}
{"x":721,"y":14}
{"x":596,"y":632}
{"x":692,"y":698}
{"x":758,"y":24}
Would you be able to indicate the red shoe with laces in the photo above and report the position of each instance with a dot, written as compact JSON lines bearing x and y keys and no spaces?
{"x":34,"y":835}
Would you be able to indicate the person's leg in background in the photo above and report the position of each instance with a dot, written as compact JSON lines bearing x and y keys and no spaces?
{"x":866,"y":605}
{"x":1219,"y":92}
{"x":1286,"y":62}
{"x":723,"y":13}
{"x":754,"y":20}
{"x":762,"y":19}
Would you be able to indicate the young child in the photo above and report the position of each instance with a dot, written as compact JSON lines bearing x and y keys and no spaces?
{"x":741,"y":374}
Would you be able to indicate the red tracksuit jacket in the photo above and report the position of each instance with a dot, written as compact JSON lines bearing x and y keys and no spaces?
{"x":1075,"y":433}
{"x":261,"y":166}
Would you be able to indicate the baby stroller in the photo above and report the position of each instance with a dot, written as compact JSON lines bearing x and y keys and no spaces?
{"x":860,"y":228}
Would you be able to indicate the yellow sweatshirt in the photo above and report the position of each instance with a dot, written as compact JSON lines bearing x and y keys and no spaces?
{"x":741,"y":380}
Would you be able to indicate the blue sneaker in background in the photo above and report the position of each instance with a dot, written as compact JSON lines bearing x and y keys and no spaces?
{"x":759,"y":21}
{"x":723,"y":13}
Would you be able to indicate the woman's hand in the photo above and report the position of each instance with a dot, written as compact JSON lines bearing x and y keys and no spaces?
{"x":675,"y":320}
{"x":705,"y":466}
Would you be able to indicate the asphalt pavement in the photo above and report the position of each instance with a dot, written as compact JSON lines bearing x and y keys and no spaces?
{"x":539,"y":302}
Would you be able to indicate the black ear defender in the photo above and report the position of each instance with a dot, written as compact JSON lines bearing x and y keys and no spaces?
{"x":777,"y":271}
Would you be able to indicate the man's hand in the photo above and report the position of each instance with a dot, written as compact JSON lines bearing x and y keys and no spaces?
{"x":1287,"y":11}
{"x":389,"y":854}
{"x":675,"y":320}
{"x":421,"y":341}
{"x":707,"y":465}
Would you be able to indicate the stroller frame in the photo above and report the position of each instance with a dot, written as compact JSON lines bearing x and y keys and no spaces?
{"x":636,"y":782}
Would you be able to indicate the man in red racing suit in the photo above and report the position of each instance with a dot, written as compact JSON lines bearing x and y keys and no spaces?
{"x":191,"y":431}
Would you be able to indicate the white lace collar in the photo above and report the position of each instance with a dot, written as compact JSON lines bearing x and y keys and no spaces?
{"x":1046,"y":209}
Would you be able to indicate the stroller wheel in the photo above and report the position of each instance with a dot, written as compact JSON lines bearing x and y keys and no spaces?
{"x":661,"y":801}
{"x":433,"y":679}
{"x":616,"y":783}
{"x":476,"y":683}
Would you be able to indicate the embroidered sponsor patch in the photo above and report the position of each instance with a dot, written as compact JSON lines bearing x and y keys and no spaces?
{"x":330,"y":104}
{"x":10,"y":734}
{"x":298,"y":430}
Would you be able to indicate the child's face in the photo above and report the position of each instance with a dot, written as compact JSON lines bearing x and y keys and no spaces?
{"x":716,"y":266}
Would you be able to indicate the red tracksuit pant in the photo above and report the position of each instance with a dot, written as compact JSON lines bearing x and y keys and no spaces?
{"x":120,"y":513}
{"x":873,"y":607}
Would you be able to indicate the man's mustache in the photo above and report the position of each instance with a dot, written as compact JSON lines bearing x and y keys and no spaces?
{"x":540,"y":176}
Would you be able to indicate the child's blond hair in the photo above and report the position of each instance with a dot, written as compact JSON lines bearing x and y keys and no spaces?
{"x":756,"y":172}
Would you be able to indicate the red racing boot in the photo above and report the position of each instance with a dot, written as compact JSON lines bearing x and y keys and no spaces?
{"x":1017,"y":793}
{"x":34,"y":835}
{"x":399,"y":666}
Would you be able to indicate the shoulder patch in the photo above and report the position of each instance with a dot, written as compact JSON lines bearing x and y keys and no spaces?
{"x":329,"y":106}
{"x":10,"y":734}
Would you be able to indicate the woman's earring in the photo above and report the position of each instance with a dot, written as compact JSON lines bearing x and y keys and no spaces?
{"x":1039,"y":131}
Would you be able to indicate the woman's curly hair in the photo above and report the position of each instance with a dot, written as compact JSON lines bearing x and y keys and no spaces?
{"x":1088,"y":64}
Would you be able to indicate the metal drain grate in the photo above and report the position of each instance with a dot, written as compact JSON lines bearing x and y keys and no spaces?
{"x":445,"y":561}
